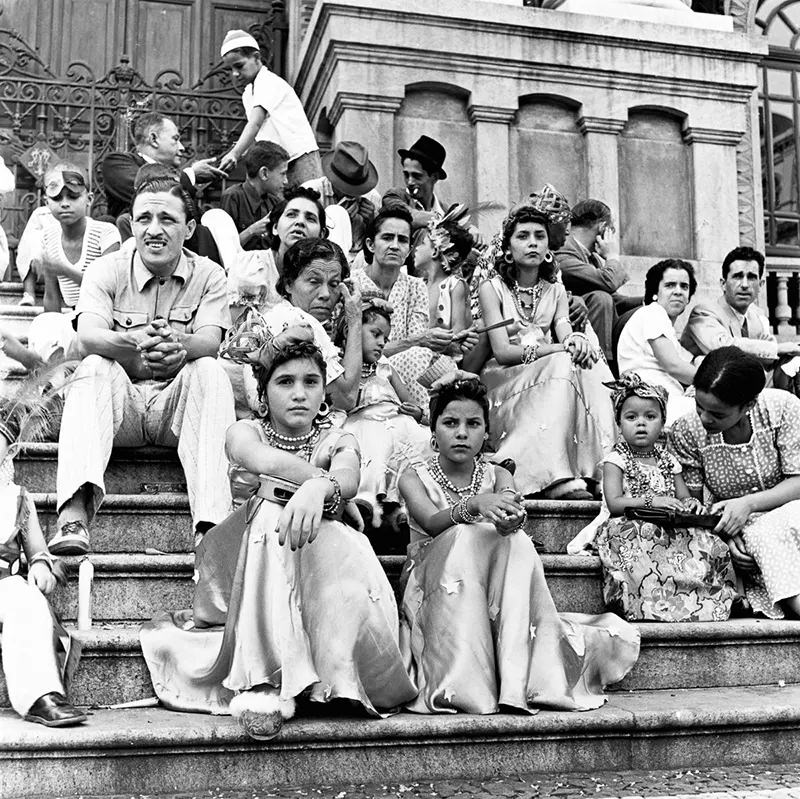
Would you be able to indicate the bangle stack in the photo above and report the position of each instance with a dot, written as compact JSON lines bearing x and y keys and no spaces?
{"x":459,"y":513}
{"x":530,"y":352}
{"x":648,"y":499}
{"x":333,"y":505}
{"x":573,"y":335}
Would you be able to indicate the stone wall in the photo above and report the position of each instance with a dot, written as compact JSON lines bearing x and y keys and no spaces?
{"x":655,"y":119}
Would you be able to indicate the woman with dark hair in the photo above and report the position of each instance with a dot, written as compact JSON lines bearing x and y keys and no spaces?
{"x":310,"y":287}
{"x":549,"y":409}
{"x":412,"y":343}
{"x":648,"y":344}
{"x":742,"y":447}
{"x":299,"y":216}
{"x":289,"y":599}
{"x":478,"y":626}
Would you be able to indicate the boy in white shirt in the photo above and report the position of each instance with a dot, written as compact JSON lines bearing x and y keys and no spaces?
{"x":274,"y":111}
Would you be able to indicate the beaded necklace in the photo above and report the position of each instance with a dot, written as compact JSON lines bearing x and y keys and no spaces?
{"x":535,"y":293}
{"x":638,"y":479}
{"x":368,"y":370}
{"x":470,"y":490}
{"x":302,"y":445}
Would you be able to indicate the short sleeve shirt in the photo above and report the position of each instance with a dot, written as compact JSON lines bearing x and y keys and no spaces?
{"x":286,"y":123}
{"x":120,"y":289}
{"x":634,"y":351}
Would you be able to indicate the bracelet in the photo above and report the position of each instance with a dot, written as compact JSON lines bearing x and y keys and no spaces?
{"x":530,"y":353}
{"x":466,"y":516}
{"x":334,"y":503}
{"x":453,"y":514}
{"x":42,"y":557}
{"x":508,"y":490}
{"x":648,"y":500}
{"x":573,"y":335}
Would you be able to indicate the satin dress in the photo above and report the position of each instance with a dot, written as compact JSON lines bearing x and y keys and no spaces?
{"x":320,"y":621}
{"x":554,"y":419}
{"x":480,"y":631}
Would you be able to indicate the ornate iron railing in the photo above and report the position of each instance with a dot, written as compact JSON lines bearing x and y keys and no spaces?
{"x":45,"y":118}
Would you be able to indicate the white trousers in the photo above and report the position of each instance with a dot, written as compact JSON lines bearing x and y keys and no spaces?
{"x":191,"y":412}
{"x":29,"y":658}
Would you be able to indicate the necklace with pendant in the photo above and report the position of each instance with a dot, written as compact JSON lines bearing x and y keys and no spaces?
{"x":470,"y":490}
{"x":535,"y":293}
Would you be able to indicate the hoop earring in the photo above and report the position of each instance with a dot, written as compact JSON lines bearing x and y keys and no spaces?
{"x":262,"y":410}
{"x":655,"y":298}
{"x":434,"y":444}
{"x":324,"y":410}
{"x":508,"y":258}
{"x":548,"y":257}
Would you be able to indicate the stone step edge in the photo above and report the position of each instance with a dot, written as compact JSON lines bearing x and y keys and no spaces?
{"x":20,"y":311}
{"x":152,"y":503}
{"x":631,"y":714}
{"x":124,"y":637}
{"x":48,"y":450}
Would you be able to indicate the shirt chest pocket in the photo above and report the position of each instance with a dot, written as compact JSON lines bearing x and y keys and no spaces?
{"x":129,"y":320}
{"x":181,"y":316}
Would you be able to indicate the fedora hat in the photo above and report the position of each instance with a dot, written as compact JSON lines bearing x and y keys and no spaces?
{"x":349,"y":169}
{"x":429,"y":153}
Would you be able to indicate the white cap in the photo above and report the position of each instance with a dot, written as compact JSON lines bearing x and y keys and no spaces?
{"x":7,"y":182}
{"x":235,"y":39}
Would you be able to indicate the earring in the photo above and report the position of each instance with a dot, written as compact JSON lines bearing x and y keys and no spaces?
{"x":434,"y":444}
{"x":324,"y":410}
{"x":655,"y":298}
{"x":548,"y":257}
{"x":262,"y":410}
{"x":508,"y":258}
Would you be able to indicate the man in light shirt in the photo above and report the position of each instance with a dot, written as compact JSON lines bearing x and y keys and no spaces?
{"x":735,"y":318}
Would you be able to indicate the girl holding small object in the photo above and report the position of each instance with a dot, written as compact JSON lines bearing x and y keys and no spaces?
{"x":34,"y":668}
{"x":550,"y":411}
{"x":478,"y":625}
{"x":653,"y":572}
{"x":385,"y":418}
{"x":289,"y":600}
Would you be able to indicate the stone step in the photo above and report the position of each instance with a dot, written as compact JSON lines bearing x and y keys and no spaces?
{"x":739,"y":652}
{"x":131,"y":523}
{"x":16,"y":319}
{"x":133,"y":587}
{"x":11,"y":292}
{"x":128,"y":471}
{"x":154,"y":750}
{"x":551,"y":523}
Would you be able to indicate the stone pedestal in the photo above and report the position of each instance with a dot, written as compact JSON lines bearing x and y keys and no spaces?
{"x":602,"y":162}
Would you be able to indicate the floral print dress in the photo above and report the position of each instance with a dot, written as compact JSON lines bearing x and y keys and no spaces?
{"x":653,"y":573}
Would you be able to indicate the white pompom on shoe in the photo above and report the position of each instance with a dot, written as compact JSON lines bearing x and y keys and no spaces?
{"x":261,"y":711}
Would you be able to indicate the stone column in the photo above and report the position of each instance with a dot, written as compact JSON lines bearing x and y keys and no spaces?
{"x":602,"y":159}
{"x":492,"y":163}
{"x":368,"y":119}
{"x":714,"y":191}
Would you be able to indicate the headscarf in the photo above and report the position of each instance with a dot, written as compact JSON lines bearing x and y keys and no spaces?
{"x":440,"y":237}
{"x":631,"y":385}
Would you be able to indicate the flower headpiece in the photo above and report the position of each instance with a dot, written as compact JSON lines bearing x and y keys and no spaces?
{"x":631,"y":385}
{"x":457,"y":214}
{"x":548,"y":202}
{"x":374,"y":300}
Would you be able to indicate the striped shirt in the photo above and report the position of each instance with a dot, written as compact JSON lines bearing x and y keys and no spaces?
{"x":99,"y":236}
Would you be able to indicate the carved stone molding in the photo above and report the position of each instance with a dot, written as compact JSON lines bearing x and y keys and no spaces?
{"x":743,"y":13}
{"x":746,"y":188}
{"x":362,"y":102}
{"x":712,"y":136}
{"x":601,"y":125}
{"x":489,"y":113}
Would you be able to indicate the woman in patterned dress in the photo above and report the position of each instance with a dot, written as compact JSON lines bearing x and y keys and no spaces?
{"x":743,"y":447}
{"x":412,"y":343}
{"x":479,"y":628}
{"x":650,"y":572}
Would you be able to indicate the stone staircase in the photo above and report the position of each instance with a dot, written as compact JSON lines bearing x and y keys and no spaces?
{"x":700,"y":694}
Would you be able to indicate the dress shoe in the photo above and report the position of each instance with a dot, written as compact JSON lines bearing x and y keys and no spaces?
{"x":71,"y":539}
{"x":53,"y":710}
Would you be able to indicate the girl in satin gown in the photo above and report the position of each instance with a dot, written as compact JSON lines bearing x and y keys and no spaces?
{"x":550,"y":411}
{"x":289,"y":600}
{"x":479,"y":629}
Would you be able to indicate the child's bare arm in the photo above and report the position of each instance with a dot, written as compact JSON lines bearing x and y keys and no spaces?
{"x":40,"y":572}
{"x":254,"y":122}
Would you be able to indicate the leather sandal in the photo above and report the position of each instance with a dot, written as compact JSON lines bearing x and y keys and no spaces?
{"x":71,"y":539}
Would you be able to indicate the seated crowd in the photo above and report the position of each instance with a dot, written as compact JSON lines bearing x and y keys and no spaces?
{"x":337,"y":369}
